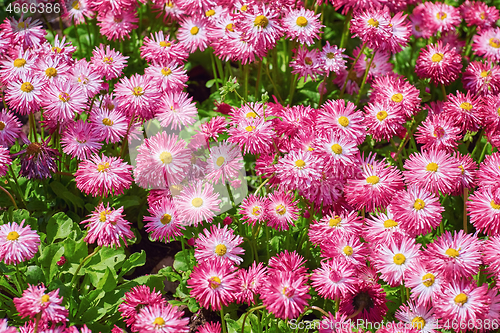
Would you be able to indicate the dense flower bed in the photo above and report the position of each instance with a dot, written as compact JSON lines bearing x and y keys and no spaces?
{"x":326,"y":167}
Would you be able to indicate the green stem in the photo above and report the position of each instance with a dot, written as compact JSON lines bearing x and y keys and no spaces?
{"x":223,"y":321}
{"x":274,"y":85}
{"x":75,"y":276}
{"x":403,"y":294}
{"x":477,"y":143}
{"x":337,"y":304}
{"x":10,"y":196}
{"x":37,"y":321}
{"x":260,"y":186}
{"x":32,"y":123}
{"x":214,"y":70}
{"x":80,"y":51}
{"x":310,"y":308}
{"x":365,"y":77}
{"x":443,"y":90}
{"x":351,"y":69}
{"x":230,"y":194}
{"x":246,"y":69}
{"x":246,"y":315}
{"x":293,"y":84}
{"x":345,"y":32}
{"x":21,"y":196}
{"x":483,"y":153}
{"x":466,"y":195}
{"x":257,"y":84}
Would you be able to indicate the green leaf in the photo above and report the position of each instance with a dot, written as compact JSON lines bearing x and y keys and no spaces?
{"x":193,"y":305}
{"x":108,"y":281}
{"x":48,"y":259}
{"x":182,"y":261}
{"x":5,"y":284}
{"x":170,"y":274}
{"x":62,"y":192}
{"x":34,"y":275}
{"x":108,"y":257}
{"x":59,"y":227}
{"x":135,"y":260}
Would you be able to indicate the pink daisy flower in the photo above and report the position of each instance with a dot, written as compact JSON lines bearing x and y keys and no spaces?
{"x":418,"y":316}
{"x":197,"y":202}
{"x":51,"y":69}
{"x":5,"y":328}
{"x":368,"y":302}
{"x":137,"y":96}
{"x":382,"y":227}
{"x":468,"y":169}
{"x":84,"y":75}
{"x":169,"y":76}
{"x":251,"y":281}
{"x":252,"y":135}
{"x":298,"y":170}
{"x":346,"y":248}
{"x":334,"y":279}
{"x":176,"y":110}
{"x":440,"y":63}
{"x":285,"y":294}
{"x":399,"y":33}
{"x":491,"y":255}
{"x":392,"y":260}
{"x":425,"y":283}
{"x":38,"y":161}
{"x":287,"y":262}
{"x":164,"y":223}
{"x":282,"y":210}
{"x":489,"y":171}
{"x":5,"y":160}
{"x":195,"y":7}
{"x":372,"y":26}
{"x":111,"y":125}
{"x":333,"y":58}
{"x":163,"y":161}
{"x":341,"y":118}
{"x":100,"y":176}
{"x":457,"y":255}
{"x":81,"y":140}
{"x":261,"y":26}
{"x":161,"y":318}
{"x":439,"y":133}
{"x":192,"y":34}
{"x":24,"y":95}
{"x":432,"y":171}
{"x":62,"y":99}
{"x":209,"y":328}
{"x":418,"y":210}
{"x":135,"y":299}
{"x":482,"y":78}
{"x":462,"y":302}
{"x":108,"y":62}
{"x":487,"y":44}
{"x":338,"y":151}
{"x":10,"y":128}
{"x":77,"y":11}
{"x":384,"y":119}
{"x":214,"y":283}
{"x":253,"y":209}
{"x":302,"y":25}
{"x":107,"y":226}
{"x":11,"y":68}
{"x":219,"y":243}
{"x":440,"y":17}
{"x":380,"y":66}
{"x":484,"y":210}
{"x":35,"y":301}
{"x":375,"y":187}
{"x":25,"y":31}
{"x":395,"y":89}
{"x":18,"y":243}
{"x":481,"y":15}
{"x":224,"y":163}
{"x":307,"y":63}
{"x":464,"y":110}
{"x":117,"y":25}
{"x":161,"y":49}
{"x":332,"y":225}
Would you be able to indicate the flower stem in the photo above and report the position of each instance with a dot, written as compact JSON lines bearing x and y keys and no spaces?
{"x":443,"y":90}
{"x":75,"y":276}
{"x":214,"y":70}
{"x":33,"y":127}
{"x":293,"y":84}
{"x":483,"y":153}
{"x":351,"y":69}
{"x":21,"y":196}
{"x":365,"y":77}
{"x":466,"y":195}
{"x":246,"y":315}
{"x":10,"y":196}
{"x":223,"y":322}
{"x":345,"y":32}
{"x":230,"y":194}
{"x":257,"y":84}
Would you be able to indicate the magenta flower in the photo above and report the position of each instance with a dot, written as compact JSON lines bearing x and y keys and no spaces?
{"x":197,"y":202}
{"x":164,"y":223}
{"x":440,"y":63}
{"x":219,"y":243}
{"x":18,"y":243}
{"x":35,"y":301}
{"x":135,"y":299}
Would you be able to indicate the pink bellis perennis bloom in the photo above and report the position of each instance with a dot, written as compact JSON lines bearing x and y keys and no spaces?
{"x":261,"y":26}
{"x":176,"y":110}
{"x":163,"y":318}
{"x":224,"y":163}
{"x":197,"y":202}
{"x":219,"y":243}
{"x":160,"y":48}
{"x":24,"y":95}
{"x":307,"y":63}
{"x":164,"y":223}
{"x":193,"y":34}
{"x":368,"y":302}
{"x":136,"y":298}
{"x":425,"y":283}
{"x":101,"y":176}
{"x":209,"y":328}
{"x":302,"y":25}
{"x":334,"y":279}
{"x":440,"y":63}
{"x":214,"y":283}
{"x":438,"y":132}
{"x":464,"y":110}
{"x":484,"y":211}
{"x":10,"y":128}
{"x":110,"y":124}
{"x":418,"y":317}
{"x":298,"y":170}
{"x":18,"y":243}
{"x":107,"y":226}
{"x":108,"y":62}
{"x":137,"y":96}
{"x":342,"y":118}
{"x":332,"y":225}
{"x":62,"y":100}
{"x":382,"y":227}
{"x":253,"y":209}
{"x":333,"y":58}
{"x":487,"y":44}
{"x":35,"y":301}
{"x":5,"y":161}
{"x":282,"y":210}
{"x":81,"y":140}
{"x":482,"y":78}
{"x":372,"y":26}
{"x":396,"y":89}
{"x":117,"y":25}
{"x":384,"y":119}
{"x":251,"y":281}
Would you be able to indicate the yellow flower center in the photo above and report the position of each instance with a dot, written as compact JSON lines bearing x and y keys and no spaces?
{"x":21,"y":25}
{"x":137,"y":91}
{"x":197,"y":202}
{"x":452,"y":253}
{"x":214,"y":282}
{"x":261,"y":21}
{"x":2,"y":125}
{"x":494,"y":205}
{"x":441,"y":16}
{"x":428,"y":279}
{"x":330,"y":55}
{"x":166,"y":71}
{"x":159,"y":321}
{"x":76,"y":5}
{"x":256,"y":211}
{"x":230,"y":27}
{"x":466,"y":106}
{"x":461,"y":299}
{"x":51,"y":72}
{"x":250,"y":128}
{"x":337,"y":149}
{"x":281,"y":210}
{"x":419,"y":204}
{"x":300,"y":163}
{"x":220,"y":161}
{"x":482,"y":16}
{"x":494,"y":42}
{"x":344,"y":121}
{"x":348,"y":250}
{"x":101,"y":167}
{"x":107,"y":122}
{"x":166,"y":157}
{"x":56,"y":49}
{"x":398,"y":98}
{"x":103,"y":214}
{"x":335,"y":222}
{"x":107,"y":60}
{"x":301,"y":21}
{"x":437,"y":57}
{"x":45,"y":298}
{"x":373,"y":180}
{"x":165,"y":44}
{"x":390,"y":223}
{"x":165,"y":219}
{"x":381,"y":115}
{"x":418,"y":323}
{"x":485,"y":73}
{"x":244,"y":8}
{"x":373,"y":22}
{"x":64,"y":97}
{"x":220,"y":250}
{"x":209,"y":13}
{"x":19,"y":62}
{"x":194,"y":30}
{"x":432,"y":167}
{"x":12,"y":236}
{"x":399,"y":259}
{"x":27,"y":87}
